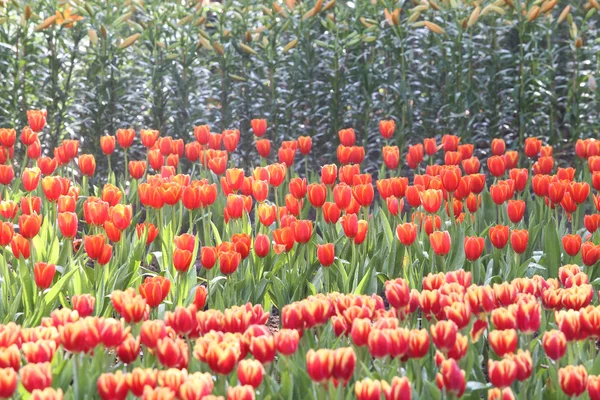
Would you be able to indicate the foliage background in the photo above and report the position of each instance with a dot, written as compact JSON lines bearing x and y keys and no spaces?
{"x":311,"y":68}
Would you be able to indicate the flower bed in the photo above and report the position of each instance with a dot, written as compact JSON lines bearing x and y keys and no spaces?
{"x":200,"y":279}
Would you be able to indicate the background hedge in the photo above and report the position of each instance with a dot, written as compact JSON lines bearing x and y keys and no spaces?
{"x":476,"y":69}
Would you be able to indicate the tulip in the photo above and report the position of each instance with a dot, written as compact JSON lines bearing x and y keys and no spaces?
{"x":367,"y":389}
{"x":515,"y":210}
{"x":518,"y":240}
{"x":229,"y":261}
{"x":502,"y":373}
{"x":571,"y":244}
{"x":453,"y":377}
{"x":112,"y":386}
{"x":20,"y":246}
{"x":499,"y":236}
{"x":87,"y":164}
{"x":36,"y":376}
{"x":43,"y":274}
{"x":326,"y":254}
{"x":473,"y":247}
{"x":573,"y":380}
{"x":319,"y":364}
{"x":36,"y":119}
{"x":528,"y":316}
{"x":533,"y":147}
{"x":154,"y":290}
{"x":440,"y":242}
{"x":125,"y":137}
{"x":304,"y":145}
{"x":431,"y":200}
{"x":503,"y":341}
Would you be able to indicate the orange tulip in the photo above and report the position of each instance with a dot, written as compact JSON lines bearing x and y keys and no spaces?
{"x":259,"y":127}
{"x":440,"y":242}
{"x":67,"y":222}
{"x":473,"y":247}
{"x":36,"y":119}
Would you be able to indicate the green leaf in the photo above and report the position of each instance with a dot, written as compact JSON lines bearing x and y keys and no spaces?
{"x":552,"y":248}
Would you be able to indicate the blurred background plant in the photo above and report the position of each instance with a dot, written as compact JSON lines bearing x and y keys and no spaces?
{"x":477,"y":69}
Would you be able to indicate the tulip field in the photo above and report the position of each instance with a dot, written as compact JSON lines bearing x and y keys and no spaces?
{"x":184,"y":277}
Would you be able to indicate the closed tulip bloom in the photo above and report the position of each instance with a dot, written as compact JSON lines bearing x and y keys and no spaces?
{"x":326,"y":254}
{"x":36,"y":376}
{"x":519,"y":240}
{"x":498,"y":147}
{"x":28,"y":136}
{"x":502,"y":373}
{"x":515,"y":210}
{"x":263,"y":147}
{"x":259,"y":127}
{"x":87,"y":164}
{"x":391,"y":156}
{"x":528,"y":316}
{"x":387,"y":128}
{"x":154,"y":290}
{"x":125,"y":137}
{"x":503,"y":341}
{"x":107,"y":144}
{"x":533,"y":146}
{"x":298,"y":187}
{"x":112,"y":386}
{"x":473,"y":247}
{"x":304,"y":145}
{"x":499,"y":236}
{"x":406,"y":233}
{"x":182,"y":259}
{"x":571,"y":244}
{"x":43,"y":274}
{"x":397,"y":293}
{"x":262,"y":245}
{"x":34,"y":150}
{"x":8,"y":382}
{"x":593,"y":387}
{"x":440,"y":242}
{"x":443,"y":334}
{"x":250,"y":372}
{"x":36,"y":119}
{"x":229,"y":261}
{"x":496,"y":165}
{"x":67,"y":222}
{"x":329,"y":174}
{"x":31,"y":178}
{"x":20,"y":246}
{"x":450,"y":176}
{"x":137,"y":169}
{"x":286,"y":341}
{"x":121,"y":216}
{"x":302,"y":230}
{"x":7,"y":232}
{"x":430,"y":146}
{"x":367,"y":389}
{"x":431,"y":200}
{"x":347,"y":137}
{"x":573,"y":380}
{"x":29,"y":225}
{"x":317,"y":194}
{"x":6,"y":174}
{"x":319,"y":364}
{"x":453,"y":377}
{"x":363,"y":194}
